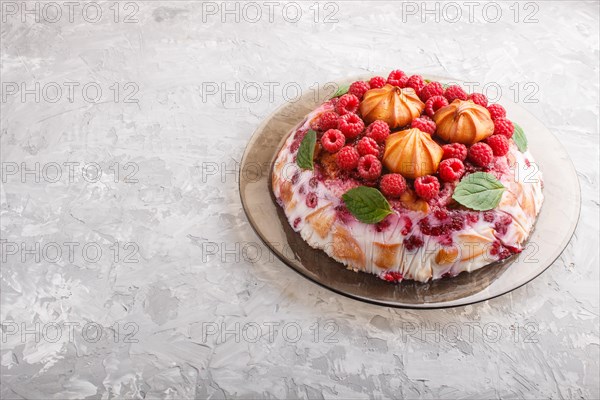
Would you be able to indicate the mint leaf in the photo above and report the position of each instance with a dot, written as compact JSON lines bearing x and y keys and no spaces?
{"x":519,"y":138}
{"x":341,"y":91}
{"x":306,"y":151}
{"x":479,"y":191}
{"x":367,"y":204}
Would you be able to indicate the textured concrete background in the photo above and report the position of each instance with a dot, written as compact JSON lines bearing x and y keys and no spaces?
{"x":147,"y":280}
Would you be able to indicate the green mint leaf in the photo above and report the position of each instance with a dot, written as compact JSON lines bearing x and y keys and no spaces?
{"x":343,"y":89}
{"x":479,"y":191}
{"x":519,"y":137}
{"x":306,"y":151}
{"x":367,"y":204}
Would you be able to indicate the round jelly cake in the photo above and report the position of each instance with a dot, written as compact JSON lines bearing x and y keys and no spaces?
{"x":409,"y":179}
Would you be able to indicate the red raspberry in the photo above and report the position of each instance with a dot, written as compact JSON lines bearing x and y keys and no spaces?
{"x":348,"y":103}
{"x":503,"y":127}
{"x":454,"y":92}
{"x":333,"y":140}
{"x":496,"y":111}
{"x":451,"y":170}
{"x":479,"y":98}
{"x":499,"y":144}
{"x":347,"y":158}
{"x":369,"y":167}
{"x":351,"y":125}
{"x":359,"y":88}
{"x":430,"y":90}
{"x":328,"y":120}
{"x":427,"y":187}
{"x":392,"y":276}
{"x":378,"y":131}
{"x":311,"y":200}
{"x":377,"y":82}
{"x":481,"y":154}
{"x":454,"y":150}
{"x":424,"y":124}
{"x":392,"y":185}
{"x":435,"y":103}
{"x":397,"y":78}
{"x":366,"y":145}
{"x":416,"y":82}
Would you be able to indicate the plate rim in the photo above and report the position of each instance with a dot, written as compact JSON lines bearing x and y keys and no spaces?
{"x":421,"y":306}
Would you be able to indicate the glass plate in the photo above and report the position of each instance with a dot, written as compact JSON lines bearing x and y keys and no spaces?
{"x":554,"y":228}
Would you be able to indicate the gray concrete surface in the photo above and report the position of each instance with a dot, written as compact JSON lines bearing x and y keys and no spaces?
{"x":147,"y":280}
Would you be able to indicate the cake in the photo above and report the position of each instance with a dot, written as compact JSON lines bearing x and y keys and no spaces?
{"x":409,"y":179}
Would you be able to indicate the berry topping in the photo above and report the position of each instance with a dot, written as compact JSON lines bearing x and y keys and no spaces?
{"x":392,"y":185}
{"x":455,"y":92}
{"x":378,"y":131}
{"x":416,"y":82}
{"x":496,"y":111}
{"x":328,"y":120}
{"x":424,"y":123}
{"x":412,"y":242}
{"x":499,"y":144}
{"x":455,"y":150}
{"x":351,"y":125}
{"x":397,"y":78}
{"x":347,"y":158}
{"x":392,"y":276}
{"x":481,"y":154}
{"x":479,"y":98}
{"x":369,"y":167}
{"x":312,"y":200}
{"x":348,"y":103}
{"x":358,"y":88}
{"x":297,"y":222}
{"x":430,"y":90}
{"x":366,"y":145}
{"x":435,"y":103}
{"x":377,"y":82}
{"x":333,"y":140}
{"x":503,"y":127}
{"x":451,"y":170}
{"x":427,"y":187}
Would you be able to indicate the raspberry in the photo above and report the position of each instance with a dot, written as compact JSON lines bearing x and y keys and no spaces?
{"x":455,"y":150}
{"x":496,"y":111}
{"x":347,"y":158}
{"x":348,"y":103}
{"x":479,"y":98}
{"x":377,"y":82}
{"x":416,"y":82}
{"x":412,"y":242}
{"x":333,"y":140}
{"x":481,"y":154}
{"x":397,"y":78}
{"x":454,"y":92}
{"x":499,"y":144}
{"x":369,"y":167}
{"x":366,"y":145}
{"x":311,"y":200}
{"x":392,"y":276}
{"x":359,"y":88}
{"x":427,"y":187}
{"x":451,"y":170}
{"x":378,"y":131}
{"x":424,"y":124}
{"x":503,"y":127}
{"x":328,"y":120}
{"x":430,"y":90}
{"x":351,"y":125}
{"x":435,"y":103}
{"x":392,"y":185}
